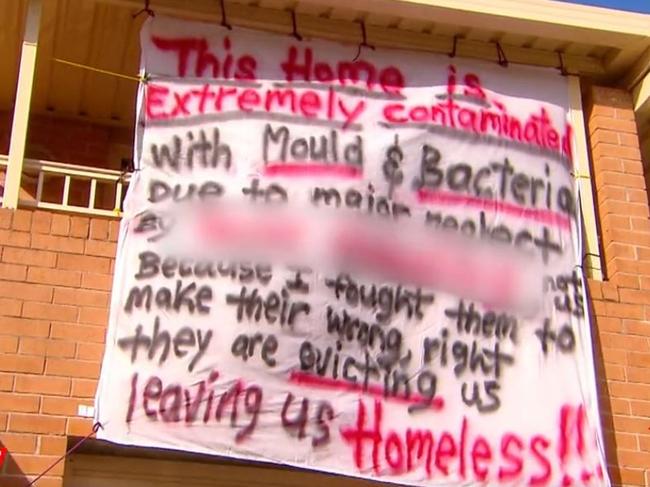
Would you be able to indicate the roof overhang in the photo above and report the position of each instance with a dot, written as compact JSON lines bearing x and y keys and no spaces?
{"x":614,"y":39}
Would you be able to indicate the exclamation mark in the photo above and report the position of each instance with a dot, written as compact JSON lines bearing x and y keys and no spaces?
{"x":572,"y":424}
{"x":599,"y":469}
{"x":581,"y":430}
{"x":563,"y":444}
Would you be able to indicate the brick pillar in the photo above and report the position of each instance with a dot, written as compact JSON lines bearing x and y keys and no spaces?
{"x":621,"y":304}
{"x":620,"y":187}
{"x":55,"y":279}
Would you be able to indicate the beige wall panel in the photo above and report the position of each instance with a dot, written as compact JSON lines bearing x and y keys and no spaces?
{"x":114,"y":471}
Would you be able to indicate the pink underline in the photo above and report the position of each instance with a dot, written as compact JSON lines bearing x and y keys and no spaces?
{"x":452,"y":199}
{"x":315,"y":381}
{"x":310,"y":169}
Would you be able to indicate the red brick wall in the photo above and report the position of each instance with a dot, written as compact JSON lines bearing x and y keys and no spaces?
{"x":622,"y":303}
{"x":55,"y":280}
{"x":68,"y":141}
{"x":52,"y":138}
{"x":55,"y":139}
{"x":72,"y":142}
{"x":55,"y":277}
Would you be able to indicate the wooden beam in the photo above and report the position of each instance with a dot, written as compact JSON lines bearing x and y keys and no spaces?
{"x":641,"y":97}
{"x":21,"y":108}
{"x":591,"y":242}
{"x":637,"y":71}
{"x":626,"y":67}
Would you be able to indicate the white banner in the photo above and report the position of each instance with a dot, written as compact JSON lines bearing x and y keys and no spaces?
{"x":366,"y":267}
